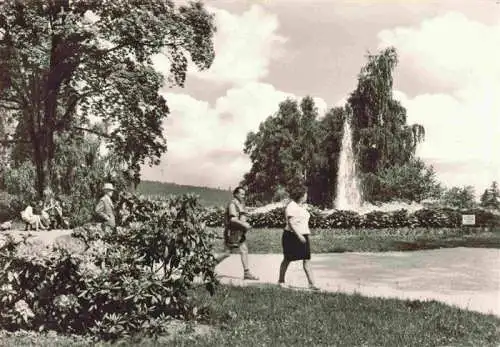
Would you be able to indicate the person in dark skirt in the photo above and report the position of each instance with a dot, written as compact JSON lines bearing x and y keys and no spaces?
{"x":295,"y":238}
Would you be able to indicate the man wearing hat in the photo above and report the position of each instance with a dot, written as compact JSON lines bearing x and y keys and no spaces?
{"x":104,"y":208}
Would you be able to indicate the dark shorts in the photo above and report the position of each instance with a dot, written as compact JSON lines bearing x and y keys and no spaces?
{"x":293,"y":249}
{"x":234,"y":238}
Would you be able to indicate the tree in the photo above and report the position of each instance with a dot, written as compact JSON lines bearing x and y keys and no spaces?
{"x":459,"y":197}
{"x":284,"y":150}
{"x":491,"y":197}
{"x":63,"y":62}
{"x":380,"y":133}
{"x":295,"y":144}
{"x":323,"y":187}
{"x":412,"y":181}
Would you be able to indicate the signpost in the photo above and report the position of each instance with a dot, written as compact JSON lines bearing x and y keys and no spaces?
{"x":468,"y":219}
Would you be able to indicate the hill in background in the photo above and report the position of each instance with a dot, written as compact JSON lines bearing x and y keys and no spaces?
{"x":208,"y":196}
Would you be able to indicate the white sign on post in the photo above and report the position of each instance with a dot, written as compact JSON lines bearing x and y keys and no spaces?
{"x":468,"y":219}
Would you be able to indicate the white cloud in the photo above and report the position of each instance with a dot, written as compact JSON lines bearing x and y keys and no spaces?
{"x":244,"y":46}
{"x":205,"y":142}
{"x":462,"y":126}
{"x":450,"y":47}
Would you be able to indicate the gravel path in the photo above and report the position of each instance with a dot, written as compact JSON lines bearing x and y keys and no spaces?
{"x":468,"y":278}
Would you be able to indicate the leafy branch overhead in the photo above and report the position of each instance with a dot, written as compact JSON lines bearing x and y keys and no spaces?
{"x":66,"y":63}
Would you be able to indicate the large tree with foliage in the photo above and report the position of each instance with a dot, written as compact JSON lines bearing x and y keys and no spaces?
{"x":382,"y":137}
{"x":62,"y":62}
{"x":285,"y":149}
{"x":380,"y":130}
{"x":292,"y":145}
{"x":323,"y":184}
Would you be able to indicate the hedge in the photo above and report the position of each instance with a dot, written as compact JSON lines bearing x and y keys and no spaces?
{"x":428,"y":218}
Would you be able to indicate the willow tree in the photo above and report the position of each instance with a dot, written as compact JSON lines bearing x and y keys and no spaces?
{"x":62,"y":62}
{"x":379,"y":122}
{"x":381,"y":135}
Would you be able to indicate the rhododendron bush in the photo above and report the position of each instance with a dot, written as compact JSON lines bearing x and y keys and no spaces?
{"x":111,"y":283}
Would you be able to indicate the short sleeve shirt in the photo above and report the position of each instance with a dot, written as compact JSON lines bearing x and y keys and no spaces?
{"x":297,"y":217}
{"x":234,"y":209}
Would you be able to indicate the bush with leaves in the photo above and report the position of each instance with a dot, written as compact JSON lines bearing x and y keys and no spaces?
{"x":19,"y":182}
{"x":337,"y":219}
{"x":214,"y":216}
{"x":427,"y":218}
{"x":118,"y":282}
{"x":271,"y":219}
{"x":10,"y":206}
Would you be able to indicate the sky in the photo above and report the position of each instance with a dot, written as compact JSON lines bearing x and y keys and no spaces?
{"x":448,"y":79}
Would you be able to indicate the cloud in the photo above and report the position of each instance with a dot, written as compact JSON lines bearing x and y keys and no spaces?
{"x":244,"y":46}
{"x":462,"y":126}
{"x":450,"y":47}
{"x":205,"y":142}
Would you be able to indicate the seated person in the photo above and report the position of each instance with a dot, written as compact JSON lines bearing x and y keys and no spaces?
{"x":32,"y":218}
{"x":52,"y":211}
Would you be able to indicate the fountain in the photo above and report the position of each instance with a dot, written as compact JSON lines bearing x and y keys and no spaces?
{"x":348,"y":188}
{"x":348,"y":192}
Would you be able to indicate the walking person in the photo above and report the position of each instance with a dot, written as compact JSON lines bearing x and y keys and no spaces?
{"x":104,"y":209}
{"x":236,"y":227}
{"x":295,"y":238}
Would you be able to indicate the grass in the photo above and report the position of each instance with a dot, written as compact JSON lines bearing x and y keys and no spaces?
{"x":270,"y":316}
{"x":264,"y":241}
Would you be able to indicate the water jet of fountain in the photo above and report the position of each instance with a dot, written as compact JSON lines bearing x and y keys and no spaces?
{"x":348,"y":192}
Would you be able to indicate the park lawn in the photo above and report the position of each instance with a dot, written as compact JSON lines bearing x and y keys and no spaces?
{"x":271,"y":316}
{"x":266,"y":240}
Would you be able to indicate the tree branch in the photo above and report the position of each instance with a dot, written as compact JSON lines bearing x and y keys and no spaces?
{"x":92,"y":131}
{"x":71,"y":108}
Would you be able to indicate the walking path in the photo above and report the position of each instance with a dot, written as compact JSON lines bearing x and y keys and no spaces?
{"x":468,"y":278}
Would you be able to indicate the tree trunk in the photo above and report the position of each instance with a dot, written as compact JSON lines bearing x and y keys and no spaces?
{"x":38,"y":159}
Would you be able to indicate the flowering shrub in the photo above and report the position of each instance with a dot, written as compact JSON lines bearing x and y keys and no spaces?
{"x":437,"y":218}
{"x":427,"y":218}
{"x":132,"y":279}
{"x":337,"y":219}
{"x":214,"y":217}
{"x":271,"y":219}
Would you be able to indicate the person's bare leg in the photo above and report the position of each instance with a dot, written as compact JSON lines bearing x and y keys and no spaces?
{"x":283,"y":267}
{"x":310,"y":277}
{"x":244,"y":256}
{"x":244,"y":261}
